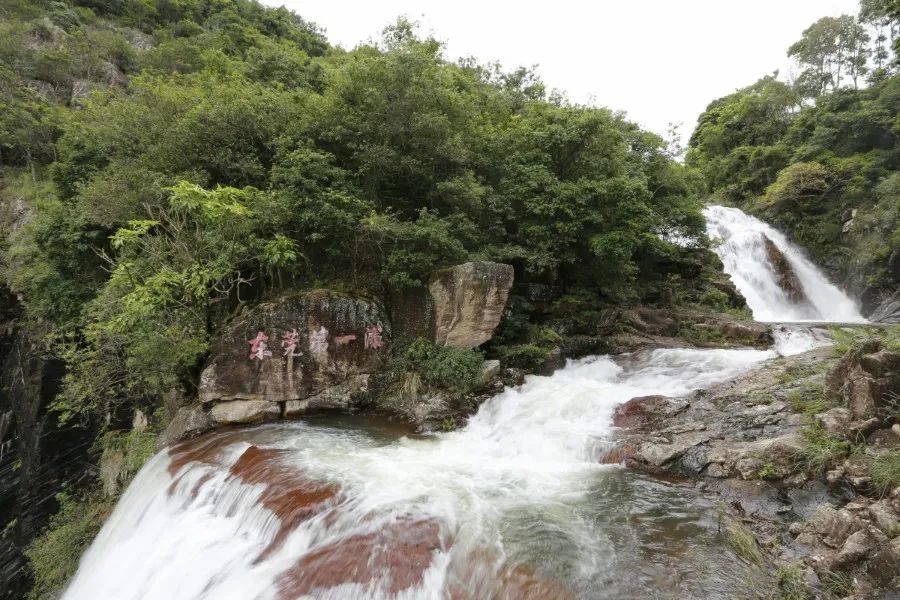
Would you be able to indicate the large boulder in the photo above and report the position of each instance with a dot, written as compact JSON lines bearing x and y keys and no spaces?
{"x":888,"y":311}
{"x":296,"y":350}
{"x":468,"y":302}
{"x":787,"y":278}
{"x":189,"y":421}
{"x":865,"y":380}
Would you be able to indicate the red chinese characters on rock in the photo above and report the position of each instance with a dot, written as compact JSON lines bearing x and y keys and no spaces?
{"x":343,"y":340}
{"x":318,"y":342}
{"x":259,"y":347}
{"x":289,"y":342}
{"x":373,"y":337}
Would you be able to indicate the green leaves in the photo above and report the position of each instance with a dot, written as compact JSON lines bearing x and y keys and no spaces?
{"x":127,"y":235}
{"x":210,"y":205}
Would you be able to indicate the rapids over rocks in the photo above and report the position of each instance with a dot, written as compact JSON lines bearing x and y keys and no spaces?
{"x":515,"y":505}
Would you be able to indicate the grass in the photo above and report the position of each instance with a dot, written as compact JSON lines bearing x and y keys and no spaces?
{"x":849,"y":339}
{"x":809,"y":400}
{"x":792,"y":584}
{"x":768,"y":471}
{"x":821,"y":451}
{"x":743,"y":542}
{"x":837,"y":585}
{"x":886,"y":470}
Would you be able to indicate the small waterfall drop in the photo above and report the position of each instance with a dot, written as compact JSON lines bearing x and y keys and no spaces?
{"x":516,"y":505}
{"x":741,"y":244}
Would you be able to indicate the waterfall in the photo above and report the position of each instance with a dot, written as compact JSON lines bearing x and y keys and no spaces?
{"x":514,"y":505}
{"x":741,"y":244}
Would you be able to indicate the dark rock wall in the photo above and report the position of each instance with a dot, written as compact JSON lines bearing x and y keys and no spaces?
{"x":37,"y":457}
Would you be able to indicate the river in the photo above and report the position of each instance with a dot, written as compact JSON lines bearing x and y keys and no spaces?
{"x":516,"y":504}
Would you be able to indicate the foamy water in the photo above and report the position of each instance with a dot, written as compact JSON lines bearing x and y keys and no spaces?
{"x":740,"y":245}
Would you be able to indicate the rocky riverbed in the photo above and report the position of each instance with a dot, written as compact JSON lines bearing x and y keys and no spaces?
{"x":800,"y":452}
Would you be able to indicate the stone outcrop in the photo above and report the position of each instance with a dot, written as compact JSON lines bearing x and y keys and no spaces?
{"x":787,"y":278}
{"x":888,"y":311}
{"x":746,"y":441}
{"x":678,"y":327}
{"x":469,"y":301}
{"x":864,"y":381}
{"x":189,"y":422}
{"x":303,"y":352}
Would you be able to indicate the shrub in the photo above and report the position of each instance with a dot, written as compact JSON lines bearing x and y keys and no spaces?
{"x":452,"y":369}
{"x":524,"y":356}
{"x":54,"y":555}
{"x":714,"y":298}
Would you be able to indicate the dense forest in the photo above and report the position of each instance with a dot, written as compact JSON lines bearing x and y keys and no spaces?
{"x":164,"y":162}
{"x":818,"y":156}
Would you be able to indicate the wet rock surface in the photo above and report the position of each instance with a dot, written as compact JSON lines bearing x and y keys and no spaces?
{"x":888,"y":311}
{"x":750,"y":440}
{"x":785,"y":276}
{"x":37,"y":455}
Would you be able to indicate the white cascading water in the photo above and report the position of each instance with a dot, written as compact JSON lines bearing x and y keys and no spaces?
{"x":529,"y":452}
{"x":514,"y":505}
{"x":742,"y":250}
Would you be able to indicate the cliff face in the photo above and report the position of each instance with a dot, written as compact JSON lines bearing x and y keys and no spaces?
{"x":37,"y":457}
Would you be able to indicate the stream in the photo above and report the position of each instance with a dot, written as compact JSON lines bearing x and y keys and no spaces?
{"x":514,"y":505}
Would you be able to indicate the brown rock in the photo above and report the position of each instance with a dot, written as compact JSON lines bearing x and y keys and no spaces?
{"x":398,"y":554}
{"x":291,"y":496}
{"x":645,"y":412}
{"x":787,"y":278}
{"x":835,"y":421}
{"x":834,"y":526}
{"x":884,"y":566}
{"x":885,"y":517}
{"x":858,"y":546}
{"x":315,"y":346}
{"x":244,"y":411}
{"x":880,"y":363}
{"x":862,"y":396}
{"x":469,"y":301}
{"x":189,"y":421}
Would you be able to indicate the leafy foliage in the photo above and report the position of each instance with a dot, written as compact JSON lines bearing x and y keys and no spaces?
{"x":818,"y":157}
{"x":452,"y":369}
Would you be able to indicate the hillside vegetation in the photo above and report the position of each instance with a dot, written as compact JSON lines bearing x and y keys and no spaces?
{"x":163,"y":162}
{"x":818,"y":157}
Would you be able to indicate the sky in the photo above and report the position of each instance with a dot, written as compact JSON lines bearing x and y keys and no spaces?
{"x":660,"y":61}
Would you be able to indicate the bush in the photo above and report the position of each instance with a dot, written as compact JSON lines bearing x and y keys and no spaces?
{"x":54,"y":555}
{"x":714,"y":298}
{"x":452,"y":369}
{"x":524,"y":356}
